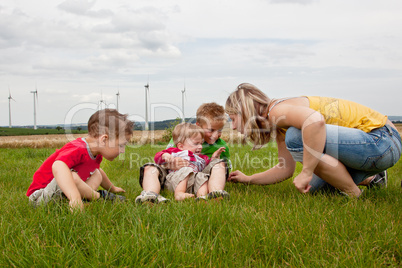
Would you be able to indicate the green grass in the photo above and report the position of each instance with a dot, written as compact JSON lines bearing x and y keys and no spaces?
{"x":261,"y":226}
{"x":30,"y":131}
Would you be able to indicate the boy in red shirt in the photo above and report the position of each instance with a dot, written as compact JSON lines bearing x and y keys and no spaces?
{"x":74,"y":170}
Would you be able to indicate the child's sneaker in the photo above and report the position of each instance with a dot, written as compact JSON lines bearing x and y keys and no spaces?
{"x":110,"y":196}
{"x":162,"y":199}
{"x":217,"y":194}
{"x":201,"y":198}
{"x":380,"y":180}
{"x":147,"y":196}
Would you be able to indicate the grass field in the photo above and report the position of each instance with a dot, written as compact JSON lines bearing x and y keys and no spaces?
{"x":56,"y":141}
{"x":4,"y":131}
{"x":261,"y":226}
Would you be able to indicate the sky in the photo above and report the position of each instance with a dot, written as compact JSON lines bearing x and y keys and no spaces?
{"x":79,"y":52}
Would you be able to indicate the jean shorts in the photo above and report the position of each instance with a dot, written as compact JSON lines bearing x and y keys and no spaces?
{"x":363,"y":154}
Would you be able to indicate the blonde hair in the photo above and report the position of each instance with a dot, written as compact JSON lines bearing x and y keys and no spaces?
{"x":252,"y":105}
{"x":210,"y":112}
{"x":110,"y":122}
{"x":184,"y":131}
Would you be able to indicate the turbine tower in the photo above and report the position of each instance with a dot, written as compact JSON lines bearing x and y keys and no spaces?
{"x":35,"y":100}
{"x":118,"y":97}
{"x":183,"y":92}
{"x":146,"y":105}
{"x":102,"y":102}
{"x":9,"y":107}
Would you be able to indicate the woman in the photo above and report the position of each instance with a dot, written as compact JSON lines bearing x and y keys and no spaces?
{"x":340,"y":143}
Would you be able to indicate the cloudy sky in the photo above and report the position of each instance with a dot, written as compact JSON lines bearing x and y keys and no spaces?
{"x":77,"y":52}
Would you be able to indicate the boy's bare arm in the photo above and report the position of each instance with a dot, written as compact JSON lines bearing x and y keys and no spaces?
{"x":108,"y":185}
{"x":64,"y":179}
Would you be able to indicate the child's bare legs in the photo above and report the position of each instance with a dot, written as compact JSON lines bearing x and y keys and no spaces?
{"x":88,"y":188}
{"x":203,"y":190}
{"x":151,"y":186}
{"x":180,"y":191}
{"x":217,"y":180}
{"x":151,"y":180}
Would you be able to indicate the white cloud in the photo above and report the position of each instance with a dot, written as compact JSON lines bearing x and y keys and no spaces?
{"x":83,"y":8}
{"x":302,"y":2}
{"x":350,"y":49}
{"x":66,"y":45}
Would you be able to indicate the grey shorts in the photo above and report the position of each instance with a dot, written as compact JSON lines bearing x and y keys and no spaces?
{"x":195,"y":180}
{"x":51,"y":192}
{"x":163,"y":172}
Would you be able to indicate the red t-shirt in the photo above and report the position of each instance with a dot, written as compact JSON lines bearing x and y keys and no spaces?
{"x":75,"y":155}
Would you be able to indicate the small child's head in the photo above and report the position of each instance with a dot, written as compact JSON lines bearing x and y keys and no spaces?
{"x":113,"y":129}
{"x":188,"y":136}
{"x":211,"y":118}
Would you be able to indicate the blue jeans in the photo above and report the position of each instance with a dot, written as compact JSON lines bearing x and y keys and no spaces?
{"x":363,"y":154}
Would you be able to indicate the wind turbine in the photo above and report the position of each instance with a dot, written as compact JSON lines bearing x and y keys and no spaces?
{"x":35,"y":100}
{"x":9,"y":107}
{"x":146,"y":105}
{"x":183,"y":92}
{"x":118,"y":97}
{"x":100,"y":107}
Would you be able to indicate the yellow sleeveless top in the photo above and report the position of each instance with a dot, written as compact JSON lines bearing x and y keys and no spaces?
{"x":347,"y":113}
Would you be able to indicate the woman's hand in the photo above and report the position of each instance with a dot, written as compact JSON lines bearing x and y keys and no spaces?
{"x":238,"y":176}
{"x":302,"y":182}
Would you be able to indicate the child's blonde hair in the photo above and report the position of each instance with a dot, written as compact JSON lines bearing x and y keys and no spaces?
{"x":110,"y":122}
{"x":210,"y":112}
{"x":184,"y":131}
{"x":252,"y":105}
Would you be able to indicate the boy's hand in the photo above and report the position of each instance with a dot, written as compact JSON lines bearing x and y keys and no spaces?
{"x":175,"y":163}
{"x":217,"y":153}
{"x":116,"y":189}
{"x":76,"y":205}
